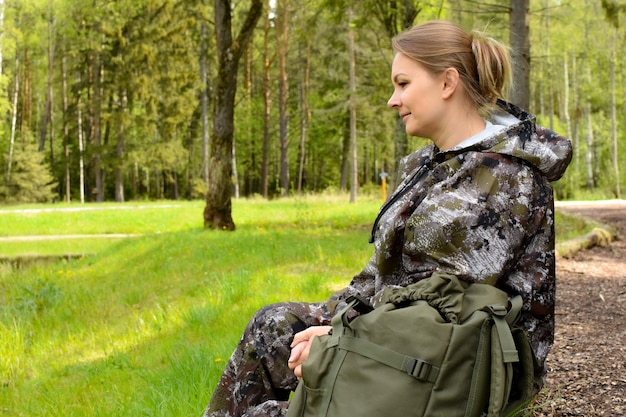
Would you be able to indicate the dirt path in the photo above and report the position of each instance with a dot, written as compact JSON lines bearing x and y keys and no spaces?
{"x":587,"y":365}
{"x":84,"y":208}
{"x":37,"y":238}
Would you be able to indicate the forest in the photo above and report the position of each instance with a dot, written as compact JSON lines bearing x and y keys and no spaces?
{"x":118,"y":100}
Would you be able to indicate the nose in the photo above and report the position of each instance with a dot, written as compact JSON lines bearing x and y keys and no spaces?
{"x":393,"y":101}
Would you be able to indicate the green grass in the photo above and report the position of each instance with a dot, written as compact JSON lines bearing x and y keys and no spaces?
{"x":87,"y":246}
{"x":103,"y":218}
{"x":144,"y":326}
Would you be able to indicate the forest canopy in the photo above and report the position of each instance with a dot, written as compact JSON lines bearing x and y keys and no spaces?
{"x":114,"y":100}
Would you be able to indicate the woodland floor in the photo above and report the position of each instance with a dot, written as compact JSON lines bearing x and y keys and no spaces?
{"x":587,"y":364}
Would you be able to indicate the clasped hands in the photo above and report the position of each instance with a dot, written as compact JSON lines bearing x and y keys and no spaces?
{"x":301,"y":346}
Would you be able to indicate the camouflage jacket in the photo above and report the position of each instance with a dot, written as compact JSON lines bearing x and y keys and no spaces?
{"x":484,"y":213}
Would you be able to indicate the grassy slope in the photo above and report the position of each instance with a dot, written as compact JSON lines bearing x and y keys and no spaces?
{"x":144,"y":327}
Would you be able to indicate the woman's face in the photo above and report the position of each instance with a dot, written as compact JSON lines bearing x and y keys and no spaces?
{"x":417,"y":95}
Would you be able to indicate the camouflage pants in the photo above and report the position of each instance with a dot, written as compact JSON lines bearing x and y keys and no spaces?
{"x":257,"y":381}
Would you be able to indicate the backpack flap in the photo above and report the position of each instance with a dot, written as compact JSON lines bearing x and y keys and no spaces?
{"x":341,"y":339}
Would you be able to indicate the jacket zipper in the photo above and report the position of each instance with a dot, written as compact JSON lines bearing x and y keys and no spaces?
{"x":414,"y":179}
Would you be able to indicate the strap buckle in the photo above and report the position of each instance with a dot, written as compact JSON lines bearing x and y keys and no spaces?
{"x":418,"y":369}
{"x":498,"y":310}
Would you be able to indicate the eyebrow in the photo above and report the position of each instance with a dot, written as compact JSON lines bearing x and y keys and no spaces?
{"x":396,"y":76}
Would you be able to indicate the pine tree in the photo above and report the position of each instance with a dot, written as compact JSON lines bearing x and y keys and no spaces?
{"x":30,"y":180}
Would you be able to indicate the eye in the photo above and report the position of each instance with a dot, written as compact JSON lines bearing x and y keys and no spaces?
{"x":402,"y":84}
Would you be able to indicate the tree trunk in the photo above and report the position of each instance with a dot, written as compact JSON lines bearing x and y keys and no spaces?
{"x":520,"y":52}
{"x":267,"y":102}
{"x":120,"y":148}
{"x":589,"y":154}
{"x":25,"y":118}
{"x":549,"y":65}
{"x":235,"y":175}
{"x":354,"y":183}
{"x":218,"y":209}
{"x":305,"y":113}
{"x":191,"y":155}
{"x":614,"y":117}
{"x":66,"y":132}
{"x":47,"y":113}
{"x":175,"y":194}
{"x":81,"y":150}
{"x":249,"y":171}
{"x":576,"y":122}
{"x":14,"y":115}
{"x":283,"y":91}
{"x":345,"y":156}
{"x":96,"y":113}
{"x":566,"y":115}
{"x":204,"y":104}
{"x":541,"y":109}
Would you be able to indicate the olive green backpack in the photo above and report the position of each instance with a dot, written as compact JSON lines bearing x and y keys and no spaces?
{"x":440,"y":347}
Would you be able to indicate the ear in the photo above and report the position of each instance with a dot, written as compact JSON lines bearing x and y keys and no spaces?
{"x":450,"y":82}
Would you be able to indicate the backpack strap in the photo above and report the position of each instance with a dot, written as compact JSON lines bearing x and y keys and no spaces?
{"x":515,"y":311}
{"x":504,"y":345}
{"x":339,"y":322}
{"x":415,"y":367}
{"x":499,"y":314}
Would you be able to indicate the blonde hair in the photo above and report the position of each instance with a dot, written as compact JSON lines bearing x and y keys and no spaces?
{"x":482,"y":62}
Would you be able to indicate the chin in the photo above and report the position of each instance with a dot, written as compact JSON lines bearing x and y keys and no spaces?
{"x":412,"y":132}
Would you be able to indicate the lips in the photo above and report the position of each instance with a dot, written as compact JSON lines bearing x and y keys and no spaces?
{"x":403,"y":116}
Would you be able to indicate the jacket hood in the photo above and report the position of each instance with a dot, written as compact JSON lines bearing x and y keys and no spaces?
{"x":521,"y":138}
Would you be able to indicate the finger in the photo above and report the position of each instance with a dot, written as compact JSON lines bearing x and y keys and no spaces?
{"x":304,"y":355}
{"x":296,"y":351}
{"x":301,"y":336}
{"x":310,"y":333}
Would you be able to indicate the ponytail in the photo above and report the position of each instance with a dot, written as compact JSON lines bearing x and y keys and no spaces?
{"x":493,"y":66}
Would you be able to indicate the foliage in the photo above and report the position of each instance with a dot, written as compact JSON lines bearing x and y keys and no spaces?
{"x":29,"y":180}
{"x":38,"y":296}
